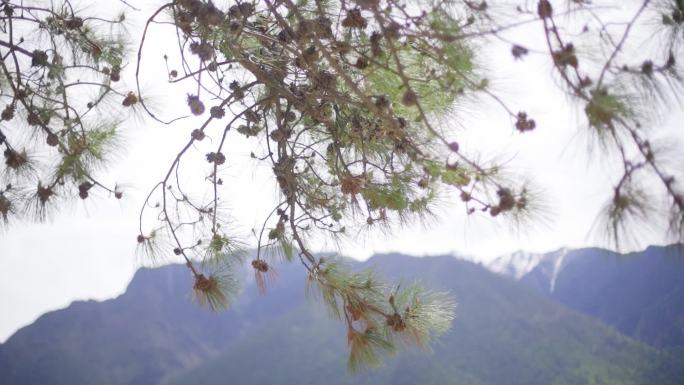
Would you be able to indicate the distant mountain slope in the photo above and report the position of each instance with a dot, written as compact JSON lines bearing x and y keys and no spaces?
{"x":141,"y":337}
{"x":641,"y":294}
{"x":504,"y":334}
{"x":520,"y":263}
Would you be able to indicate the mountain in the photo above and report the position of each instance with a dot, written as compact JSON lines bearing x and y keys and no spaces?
{"x":520,"y":264}
{"x":150,"y":332}
{"x":505,"y":333}
{"x":641,"y":294}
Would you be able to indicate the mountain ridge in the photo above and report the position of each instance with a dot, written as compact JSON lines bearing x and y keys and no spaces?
{"x":504,"y":331}
{"x":639,"y":293}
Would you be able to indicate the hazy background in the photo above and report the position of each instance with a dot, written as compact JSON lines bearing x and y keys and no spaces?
{"x":88,"y":250}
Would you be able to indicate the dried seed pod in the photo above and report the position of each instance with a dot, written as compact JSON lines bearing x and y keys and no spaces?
{"x":566,"y":56}
{"x":393,"y":31}
{"x":203,"y":50}
{"x":5,"y":207}
{"x":409,"y":98}
{"x":506,"y":199}
{"x":219,"y":158}
{"x":74,"y":23}
{"x":44,"y":193}
{"x":382,"y":102}
{"x":52,"y":140}
{"x":115,"y":73}
{"x":15,"y":159}
{"x":519,"y":51}
{"x":544,"y":9}
{"x":260,"y":265}
{"x":361,"y":63}
{"x":252,"y":116}
{"x":324,"y":80}
{"x":524,"y":124}
{"x":7,"y":113}
{"x":354,"y":19}
{"x":197,"y":134}
{"x":290,"y":116}
{"x":83,"y":189}
{"x":33,"y":119}
{"x":196,"y":105}
{"x":203,"y":284}
{"x":39,"y":58}
{"x":647,"y":68}
{"x":85,"y":186}
{"x":130,"y":100}
{"x":375,"y":39}
{"x":238,"y":93}
{"x":217,"y":112}
{"x":211,"y":157}
{"x":280,"y":135}
{"x":211,"y":15}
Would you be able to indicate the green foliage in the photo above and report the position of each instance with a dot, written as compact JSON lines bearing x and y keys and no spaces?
{"x":217,"y":290}
{"x":221,"y":246}
{"x":377,"y":316}
{"x":365,"y":348}
{"x":604,"y":108}
{"x":288,"y":250}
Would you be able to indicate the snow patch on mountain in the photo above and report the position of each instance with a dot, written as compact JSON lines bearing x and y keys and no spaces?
{"x":515,"y":265}
{"x":557,"y":266}
{"x":521,"y":263}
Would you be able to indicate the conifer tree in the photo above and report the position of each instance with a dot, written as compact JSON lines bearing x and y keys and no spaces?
{"x":342,"y":100}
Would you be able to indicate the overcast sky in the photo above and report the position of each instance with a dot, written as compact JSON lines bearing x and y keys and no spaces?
{"x":88,"y":251}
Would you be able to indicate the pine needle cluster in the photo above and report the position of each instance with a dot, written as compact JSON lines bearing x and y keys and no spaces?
{"x":378,"y":317}
{"x":59,"y":71}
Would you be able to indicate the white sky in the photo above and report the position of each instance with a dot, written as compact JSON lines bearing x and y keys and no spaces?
{"x":88,"y":252}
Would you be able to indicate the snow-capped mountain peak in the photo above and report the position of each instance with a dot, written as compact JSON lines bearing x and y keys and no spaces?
{"x":517,"y":265}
